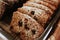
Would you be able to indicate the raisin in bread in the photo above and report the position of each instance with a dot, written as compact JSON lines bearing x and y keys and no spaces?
{"x":56,"y":34}
{"x":25,"y":26}
{"x":38,"y":14}
{"x":40,"y":6}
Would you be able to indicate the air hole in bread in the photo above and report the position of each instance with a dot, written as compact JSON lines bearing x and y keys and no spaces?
{"x":33,"y":31}
{"x":32,"y":12}
{"x":20,"y":23}
{"x":35,"y":18}
{"x":26,"y":20}
{"x":26,"y":27}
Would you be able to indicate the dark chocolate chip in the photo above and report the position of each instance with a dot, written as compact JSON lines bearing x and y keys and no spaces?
{"x":35,"y":18}
{"x":33,"y":31}
{"x":26,"y":27}
{"x":20,"y":23}
{"x":32,"y":12}
{"x":26,"y":20}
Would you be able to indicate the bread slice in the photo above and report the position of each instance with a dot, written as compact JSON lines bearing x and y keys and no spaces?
{"x":39,"y":15}
{"x":44,"y":3}
{"x":40,"y":6}
{"x":53,"y":2}
{"x":25,"y":27}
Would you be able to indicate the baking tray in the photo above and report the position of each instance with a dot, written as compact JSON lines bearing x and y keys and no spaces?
{"x":5,"y":21}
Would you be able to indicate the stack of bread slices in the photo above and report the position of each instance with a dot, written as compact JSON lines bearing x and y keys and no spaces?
{"x":28,"y":22}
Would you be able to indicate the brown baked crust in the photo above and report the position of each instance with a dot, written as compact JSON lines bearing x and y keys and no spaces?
{"x":39,"y":15}
{"x":25,"y":26}
{"x":40,"y":6}
{"x":56,"y":34}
